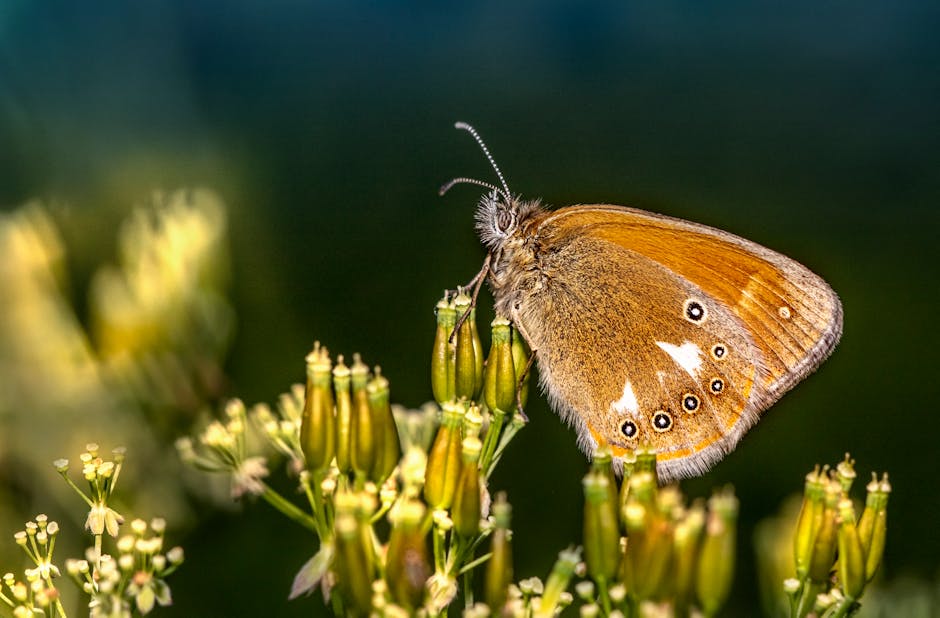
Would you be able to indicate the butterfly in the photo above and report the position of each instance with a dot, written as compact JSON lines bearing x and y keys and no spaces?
{"x":651,"y":331}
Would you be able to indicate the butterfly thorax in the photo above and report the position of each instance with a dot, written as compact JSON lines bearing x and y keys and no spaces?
{"x":506,"y":228}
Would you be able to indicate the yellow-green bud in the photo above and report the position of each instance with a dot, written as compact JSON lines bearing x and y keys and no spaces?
{"x":466,"y":511}
{"x":388,"y":447}
{"x":499,"y":386}
{"x":646,"y":462}
{"x":407,"y":565}
{"x":344,"y":416}
{"x":824,"y":547}
{"x":603,"y":464}
{"x":317,"y":429}
{"x":851,"y":556}
{"x":354,"y":561}
{"x":873,"y":525}
{"x":363,"y":445}
{"x":810,"y":519}
{"x":557,"y":584}
{"x":686,"y":537}
{"x":444,"y":459}
{"x":499,"y":567}
{"x":468,"y":353}
{"x":601,"y":530}
{"x":443,"y":352}
{"x":845,"y":473}
{"x":716,"y":562}
{"x":520,"y":359}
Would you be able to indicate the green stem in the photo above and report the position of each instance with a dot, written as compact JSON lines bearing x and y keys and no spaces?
{"x":603,"y":594}
{"x":474,"y":564}
{"x":468,"y":589}
{"x":289,"y":509}
{"x":808,"y":598}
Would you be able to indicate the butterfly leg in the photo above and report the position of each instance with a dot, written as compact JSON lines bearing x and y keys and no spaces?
{"x":477,"y":283}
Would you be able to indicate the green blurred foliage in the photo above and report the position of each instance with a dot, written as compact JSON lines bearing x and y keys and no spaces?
{"x":326,"y":129}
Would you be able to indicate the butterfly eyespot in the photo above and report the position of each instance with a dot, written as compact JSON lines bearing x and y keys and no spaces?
{"x":719,"y":351}
{"x":628,"y":429}
{"x":784,"y":312}
{"x":662,"y":421}
{"x":717,"y":385}
{"x":694,"y":311}
{"x":690,"y":402}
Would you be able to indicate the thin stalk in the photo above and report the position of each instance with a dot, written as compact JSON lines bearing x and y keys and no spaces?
{"x":289,"y":509}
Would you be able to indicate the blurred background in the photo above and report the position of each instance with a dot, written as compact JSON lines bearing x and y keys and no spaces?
{"x":296,"y":148}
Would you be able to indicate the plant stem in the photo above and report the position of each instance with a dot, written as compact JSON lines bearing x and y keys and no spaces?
{"x":289,"y":509}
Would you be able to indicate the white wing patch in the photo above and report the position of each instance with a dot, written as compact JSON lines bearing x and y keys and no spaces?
{"x":688,"y":356}
{"x":627,"y":403}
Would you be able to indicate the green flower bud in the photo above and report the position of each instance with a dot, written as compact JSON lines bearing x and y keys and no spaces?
{"x":443,"y":352}
{"x":646,"y":462}
{"x":466,"y":511}
{"x":685,"y":541}
{"x":344,"y":416}
{"x":317,"y":429}
{"x":810,"y":519}
{"x":363,"y":446}
{"x":601,"y":530}
{"x":824,"y":547}
{"x":557,"y":584}
{"x":499,"y":386}
{"x":602,"y":464}
{"x":354,"y":561}
{"x":444,"y":459}
{"x":520,"y":360}
{"x":499,"y":567}
{"x":716,"y":562}
{"x":851,"y":555}
{"x":407,"y":565}
{"x":388,"y":448}
{"x":468,"y":364}
{"x":845,"y":473}
{"x":873,"y":525}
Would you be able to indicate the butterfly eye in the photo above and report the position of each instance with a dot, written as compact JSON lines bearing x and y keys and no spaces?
{"x":628,"y":429}
{"x":717,"y":386}
{"x":690,"y":402}
{"x":505,"y":220}
{"x":694,"y":311}
{"x":719,"y":351}
{"x":662,"y":421}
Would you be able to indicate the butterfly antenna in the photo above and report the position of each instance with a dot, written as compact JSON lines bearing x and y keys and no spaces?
{"x":469,"y":129}
{"x":471,"y":181}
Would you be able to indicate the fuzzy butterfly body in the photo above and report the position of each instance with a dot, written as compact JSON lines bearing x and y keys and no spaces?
{"x":654,"y":331}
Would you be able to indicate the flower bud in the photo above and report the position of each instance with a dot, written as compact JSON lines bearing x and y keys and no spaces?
{"x":468,"y":362}
{"x":602,"y":464}
{"x":685,"y":541}
{"x":557,"y":584}
{"x":810,"y":519}
{"x":466,"y":511}
{"x":407,"y":565}
{"x":443,"y":352}
{"x":317,"y":429}
{"x":646,"y":462}
{"x":520,"y":360}
{"x":601,"y":531}
{"x":824,"y":547}
{"x":388,"y":448}
{"x":499,"y":386}
{"x":344,"y":416}
{"x":363,"y":444}
{"x":845,"y":473}
{"x":353,"y":563}
{"x":851,"y":556}
{"x":499,"y":567}
{"x":873,"y":524}
{"x":444,"y":459}
{"x":716,"y":562}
